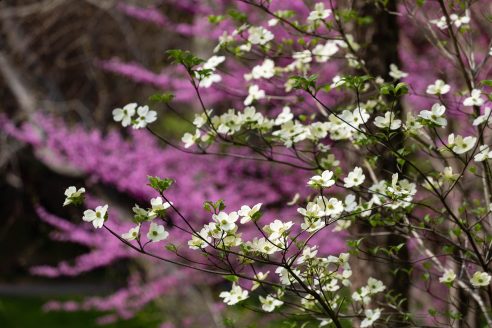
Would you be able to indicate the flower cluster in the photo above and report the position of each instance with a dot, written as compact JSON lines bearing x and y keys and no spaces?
{"x":126,"y":116}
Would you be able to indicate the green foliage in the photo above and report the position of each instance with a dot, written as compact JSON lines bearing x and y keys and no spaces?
{"x":160,"y":185}
{"x":398,"y":90}
{"x":237,"y":16}
{"x":214,"y":207}
{"x":305,"y":83}
{"x":162,"y":97}
{"x":185,"y":58}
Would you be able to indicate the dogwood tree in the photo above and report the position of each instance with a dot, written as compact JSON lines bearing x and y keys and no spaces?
{"x":409,"y":185}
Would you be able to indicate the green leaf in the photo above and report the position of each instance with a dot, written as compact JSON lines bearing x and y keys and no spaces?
{"x":160,"y":185}
{"x":184,"y":57}
{"x":231,"y":278}
{"x":171,"y":248}
{"x":486,"y":82}
{"x":162,"y":97}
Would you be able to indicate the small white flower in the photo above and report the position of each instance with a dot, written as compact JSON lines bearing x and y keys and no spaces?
{"x":435,"y":115}
{"x":264,"y":71}
{"x":207,"y":81}
{"x":201,"y":240}
{"x":226,"y":222}
{"x":319,"y":12}
{"x":388,"y":121}
{"x":132,"y":234}
{"x":213,"y":62}
{"x":158,"y":206}
{"x":438,"y":88}
{"x":259,"y":35}
{"x":324,"y":180}
{"x":448,"y":276}
{"x":480,"y":279}
{"x":312,"y":210}
{"x":125,"y":114}
{"x":307,"y":254}
{"x":97,"y":216}
{"x":482,"y":118}
{"x":247,"y":213}
{"x":354,"y":178}
{"x":441,"y":23}
{"x":475,"y":99}
{"x":302,"y":57}
{"x":236,"y":295}
{"x":448,"y":174}
{"x":459,"y":21}
{"x":375,"y":286}
{"x":269,"y":303}
{"x":144,"y":117}
{"x":157,"y":232}
{"x":484,"y":153}
{"x":323,"y":52}
{"x":361,"y":295}
{"x":396,"y":73}
{"x":371,"y":317}
{"x":277,"y":228}
{"x":73,"y":195}
{"x":260,"y":276}
{"x":337,"y":81}
{"x":190,"y":139}
{"x":461,"y":145}
{"x":254,"y":93}
{"x":333,"y":207}
{"x":284,"y":117}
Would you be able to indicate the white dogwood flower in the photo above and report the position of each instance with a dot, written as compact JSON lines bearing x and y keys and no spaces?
{"x":157,"y":232}
{"x":371,"y":317}
{"x":269,"y":303}
{"x":226,"y":222}
{"x":448,"y":276}
{"x":264,"y":71}
{"x":284,"y":117}
{"x":324,"y":180}
{"x":480,"y":279}
{"x":277,"y":228}
{"x":144,"y":117}
{"x":323,"y":52}
{"x":259,"y":35}
{"x":438,"y":88}
{"x":435,"y":115}
{"x":375,"y":286}
{"x":461,"y":145}
{"x":482,"y":118}
{"x":475,"y":98}
{"x":73,"y":196}
{"x":235,"y":295}
{"x":354,"y":178}
{"x":396,"y":73}
{"x":319,"y":12}
{"x":388,"y":121}
{"x":484,"y":153}
{"x":125,"y":114}
{"x":190,"y":139}
{"x":132,"y":234}
{"x":97,"y":216}
{"x":158,"y":206}
{"x":248,"y":213}
{"x":254,"y":93}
